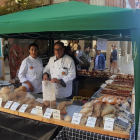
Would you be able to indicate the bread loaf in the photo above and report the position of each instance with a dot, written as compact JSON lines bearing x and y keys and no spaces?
{"x":53,"y":103}
{"x":108,"y":116}
{"x":68,"y":119}
{"x":15,"y":100}
{"x":12,"y":95}
{"x":26,"y":99}
{"x":29,"y":110}
{"x":5,"y":90}
{"x":42,"y":105}
{"x":62,"y":117}
{"x":88,"y":105}
{"x":21,"y":98}
{"x":30,"y":101}
{"x":63,"y":111}
{"x":89,"y":114}
{"x":107,"y":110}
{"x":98,"y":122}
{"x":61,"y":105}
{"x":83,"y":121}
{"x":86,"y":110}
{"x":29,"y":106}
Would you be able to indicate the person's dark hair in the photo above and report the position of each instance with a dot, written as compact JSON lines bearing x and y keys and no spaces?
{"x":79,"y":47}
{"x":86,"y":47}
{"x":33,"y":44}
{"x":113,"y":45}
{"x":60,"y":43}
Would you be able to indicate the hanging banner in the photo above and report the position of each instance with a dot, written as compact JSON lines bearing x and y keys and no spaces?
{"x":101,"y":44}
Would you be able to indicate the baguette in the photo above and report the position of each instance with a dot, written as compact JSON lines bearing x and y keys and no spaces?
{"x":68,"y":119}
{"x":83,"y":121}
{"x":26,"y":99}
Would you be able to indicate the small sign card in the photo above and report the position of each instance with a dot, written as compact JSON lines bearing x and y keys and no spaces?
{"x":91,"y":121}
{"x":0,"y":101}
{"x":109,"y":122}
{"x":76,"y":118}
{"x":48,"y":113}
{"x":39,"y":110}
{"x":56,"y":114}
{"x":33,"y":111}
{"x":8,"y":104}
{"x":14,"y":106}
{"x":23,"y":108}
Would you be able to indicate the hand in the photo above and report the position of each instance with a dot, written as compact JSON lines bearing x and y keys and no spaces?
{"x":55,"y":80}
{"x":45,"y":77}
{"x":31,"y":88}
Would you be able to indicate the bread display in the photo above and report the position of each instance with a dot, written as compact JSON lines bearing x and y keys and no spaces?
{"x":21,"y":88}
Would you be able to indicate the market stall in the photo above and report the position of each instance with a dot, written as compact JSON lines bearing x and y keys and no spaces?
{"x":111,"y":23}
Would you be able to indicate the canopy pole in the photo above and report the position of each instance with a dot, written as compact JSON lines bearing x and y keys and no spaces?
{"x":135,"y":36}
{"x":51,"y":47}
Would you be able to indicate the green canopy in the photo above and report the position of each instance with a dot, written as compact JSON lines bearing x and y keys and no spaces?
{"x":75,"y":20}
{"x":71,"y":16}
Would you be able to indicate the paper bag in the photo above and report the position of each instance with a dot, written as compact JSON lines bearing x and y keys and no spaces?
{"x":48,"y":91}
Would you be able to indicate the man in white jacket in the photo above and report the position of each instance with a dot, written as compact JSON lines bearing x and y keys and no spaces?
{"x":61,"y":71}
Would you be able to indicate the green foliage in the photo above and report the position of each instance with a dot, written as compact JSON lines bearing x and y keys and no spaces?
{"x":12,"y":6}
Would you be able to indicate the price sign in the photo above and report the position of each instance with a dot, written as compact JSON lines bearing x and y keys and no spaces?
{"x":56,"y":114}
{"x":8,"y":104}
{"x":48,"y":113}
{"x":39,"y":110}
{"x":76,"y":118}
{"x":109,"y":122}
{"x":23,"y":108}
{"x":14,"y":106}
{"x":0,"y":101}
{"x":91,"y":121}
{"x":33,"y":111}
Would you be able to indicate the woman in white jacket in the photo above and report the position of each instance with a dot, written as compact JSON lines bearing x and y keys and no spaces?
{"x":31,"y":69}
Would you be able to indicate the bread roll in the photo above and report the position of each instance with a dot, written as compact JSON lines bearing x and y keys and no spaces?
{"x":42,"y":105}
{"x":12,"y":95}
{"x":31,"y":101}
{"x":5,"y":90}
{"x":21,"y":88}
{"x":47,"y":103}
{"x":83,"y":121}
{"x":68,"y":119}
{"x":5,"y":98}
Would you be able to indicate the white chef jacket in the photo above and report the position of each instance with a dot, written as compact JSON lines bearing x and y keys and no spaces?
{"x":31,"y":70}
{"x":64,"y":69}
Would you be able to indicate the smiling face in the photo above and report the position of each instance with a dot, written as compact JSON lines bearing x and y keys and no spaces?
{"x":33,"y":51}
{"x":58,"y":51}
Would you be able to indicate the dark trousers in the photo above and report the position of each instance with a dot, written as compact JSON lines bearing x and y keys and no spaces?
{"x":6,"y":55}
